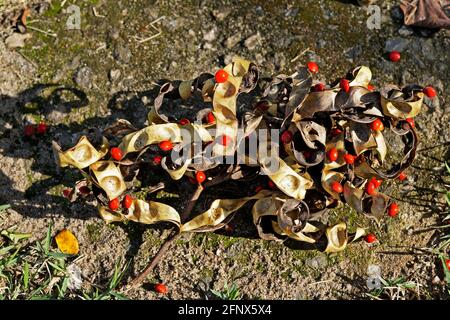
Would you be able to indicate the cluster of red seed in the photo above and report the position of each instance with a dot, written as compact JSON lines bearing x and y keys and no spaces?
{"x":31,"y":129}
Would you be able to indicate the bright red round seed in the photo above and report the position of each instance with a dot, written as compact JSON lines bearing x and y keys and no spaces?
{"x":402,"y":176}
{"x":29,"y":130}
{"x":345,"y":85}
{"x":370,"y":188}
{"x":319,"y":87}
{"x":200,"y":176}
{"x":370,"y":238}
{"x":184,"y":121}
{"x":161,"y":288}
{"x":313,"y":67}
{"x":370,"y":87}
{"x":376,"y":182}
{"x":335,"y":131}
{"x":394,"y":56}
{"x":165,"y":145}
{"x":41,"y":128}
{"x":430,"y":92}
{"x":333,"y":154}
{"x":393,"y":210}
{"x":447,"y":264}
{"x":210,"y":118}
{"x":114,"y":204}
{"x":349,"y":158}
{"x":221,"y":76}
{"x":411,"y":122}
{"x":377,"y":125}
{"x":116,"y":153}
{"x":337,"y":187}
{"x":127,"y":201}
{"x":286,"y":137}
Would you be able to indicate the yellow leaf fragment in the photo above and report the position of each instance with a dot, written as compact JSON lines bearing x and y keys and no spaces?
{"x":67,"y":242}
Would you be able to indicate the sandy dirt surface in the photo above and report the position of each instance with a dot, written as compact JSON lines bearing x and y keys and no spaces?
{"x":88,"y":78}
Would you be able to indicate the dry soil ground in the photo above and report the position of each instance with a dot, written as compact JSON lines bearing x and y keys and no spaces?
{"x":108,"y":74}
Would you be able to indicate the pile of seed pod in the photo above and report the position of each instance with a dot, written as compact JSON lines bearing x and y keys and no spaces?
{"x":330,"y":149}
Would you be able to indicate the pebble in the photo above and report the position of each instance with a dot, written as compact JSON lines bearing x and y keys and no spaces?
{"x":114,"y":75}
{"x":233,"y":40}
{"x":122,"y":53}
{"x":354,"y":52}
{"x":396,"y":44}
{"x":221,"y":14}
{"x":211,"y":35}
{"x":405,"y":31}
{"x":252,"y":41}
{"x":83,"y":77}
{"x":17,"y":40}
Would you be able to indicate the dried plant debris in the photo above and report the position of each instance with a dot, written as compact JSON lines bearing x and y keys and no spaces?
{"x":331,"y":150}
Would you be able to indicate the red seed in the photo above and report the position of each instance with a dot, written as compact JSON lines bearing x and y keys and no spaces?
{"x":337,"y":187}
{"x":333,"y":154}
{"x":210,"y":118}
{"x":184,"y":121}
{"x":200,"y":176}
{"x":258,"y":189}
{"x":370,"y":238}
{"x":376,"y":182}
{"x":114,"y":204}
{"x":411,"y":122}
{"x":116,"y":153}
{"x":447,"y":264}
{"x":394,"y":56}
{"x":225,"y":140}
{"x":430,"y":92}
{"x":29,"y":130}
{"x":157,"y":160}
{"x":393,"y":210}
{"x":127,"y":201}
{"x":349,"y":158}
{"x":370,"y":87}
{"x":262,"y":105}
{"x":377,"y":125}
{"x":402,"y":176}
{"x":286,"y":137}
{"x":319,"y":87}
{"x":313,"y":67}
{"x":345,"y":85}
{"x":221,"y":76}
{"x":161,"y":288}
{"x":41,"y":128}
{"x":370,"y":188}
{"x":66,"y":192}
{"x":165,"y":145}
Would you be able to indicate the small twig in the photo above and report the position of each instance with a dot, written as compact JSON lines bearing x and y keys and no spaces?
{"x":51,"y":34}
{"x":96,"y":14}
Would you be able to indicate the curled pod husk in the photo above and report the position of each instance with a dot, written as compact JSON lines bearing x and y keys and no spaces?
{"x":219,"y":210}
{"x":109,"y":178}
{"x":401,"y":106}
{"x":338,"y":237}
{"x":82,"y":155}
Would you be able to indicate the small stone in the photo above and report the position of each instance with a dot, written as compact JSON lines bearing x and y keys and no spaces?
{"x":122,"y":53}
{"x":221,"y":14}
{"x":252,"y":41}
{"x":405,"y":31}
{"x":83,"y":78}
{"x":396,"y":44}
{"x":233,"y":40}
{"x":291,"y":12}
{"x":114,"y":75}
{"x":210,"y":36}
{"x":321,"y":43}
{"x":354,"y":52}
{"x":17,"y":40}
{"x":436,"y":280}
